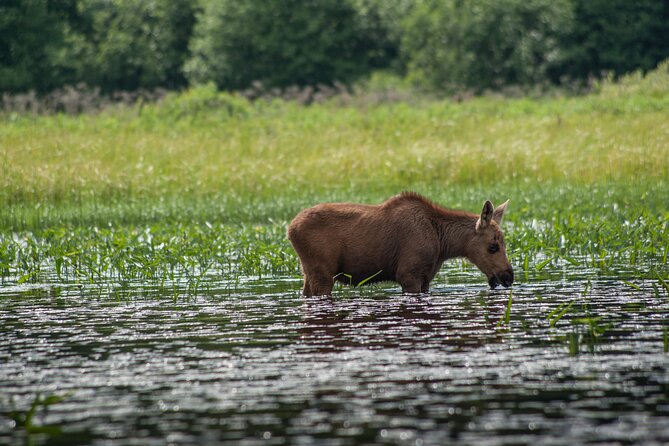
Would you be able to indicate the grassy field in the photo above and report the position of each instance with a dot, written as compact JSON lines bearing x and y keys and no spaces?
{"x":206,"y":181}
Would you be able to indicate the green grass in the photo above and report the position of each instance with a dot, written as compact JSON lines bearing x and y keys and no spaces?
{"x":205,"y":182}
{"x":230,"y":154}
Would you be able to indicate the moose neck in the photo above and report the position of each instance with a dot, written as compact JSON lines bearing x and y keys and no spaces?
{"x":456,"y":232}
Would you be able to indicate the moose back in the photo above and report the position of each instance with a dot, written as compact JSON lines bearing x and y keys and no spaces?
{"x":405,"y":239}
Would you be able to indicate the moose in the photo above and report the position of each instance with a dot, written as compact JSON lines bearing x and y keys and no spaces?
{"x":405,"y":239}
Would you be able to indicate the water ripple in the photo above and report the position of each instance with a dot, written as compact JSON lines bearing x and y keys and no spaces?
{"x":274,"y":368}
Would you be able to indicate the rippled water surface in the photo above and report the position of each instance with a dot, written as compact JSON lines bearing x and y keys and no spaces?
{"x":569,"y":362}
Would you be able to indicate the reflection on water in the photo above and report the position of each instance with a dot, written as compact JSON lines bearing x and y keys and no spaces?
{"x":262,"y":367}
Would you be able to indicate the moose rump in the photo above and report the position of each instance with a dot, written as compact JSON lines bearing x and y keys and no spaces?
{"x":401,"y":240}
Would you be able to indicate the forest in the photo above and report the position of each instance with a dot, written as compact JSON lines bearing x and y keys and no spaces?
{"x":439,"y":46}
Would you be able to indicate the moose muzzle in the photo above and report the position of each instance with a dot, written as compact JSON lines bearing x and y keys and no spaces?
{"x":505,"y":278}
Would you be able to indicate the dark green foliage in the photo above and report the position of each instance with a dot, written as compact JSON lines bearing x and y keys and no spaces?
{"x":126,"y":45}
{"x":380,"y":22}
{"x":443,"y":45}
{"x":486,"y":44}
{"x":31,"y":31}
{"x":281,"y":43}
{"x":113,"y":45}
{"x":615,"y":35}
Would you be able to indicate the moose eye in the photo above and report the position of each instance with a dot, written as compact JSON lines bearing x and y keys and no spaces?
{"x":493,"y":248}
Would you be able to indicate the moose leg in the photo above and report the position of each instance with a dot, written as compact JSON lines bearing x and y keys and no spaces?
{"x":411,"y":287}
{"x":320,"y":283}
{"x":416,"y":284}
{"x":412,"y":277}
{"x":306,"y":291}
{"x":410,"y":282}
{"x":427,"y":279}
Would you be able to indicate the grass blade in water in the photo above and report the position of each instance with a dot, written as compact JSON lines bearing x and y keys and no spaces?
{"x":507,"y":312}
{"x":561,"y":311}
{"x":663,"y":283}
{"x":363,"y":281}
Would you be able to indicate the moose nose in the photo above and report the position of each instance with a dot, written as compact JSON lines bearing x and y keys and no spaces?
{"x":506,"y":278}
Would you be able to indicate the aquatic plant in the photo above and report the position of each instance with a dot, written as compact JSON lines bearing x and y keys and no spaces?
{"x":26,"y":419}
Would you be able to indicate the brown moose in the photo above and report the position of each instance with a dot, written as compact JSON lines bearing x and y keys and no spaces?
{"x":405,"y":239}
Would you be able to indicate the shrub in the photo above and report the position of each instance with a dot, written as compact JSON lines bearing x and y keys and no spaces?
{"x":654,"y":83}
{"x":202,"y":101}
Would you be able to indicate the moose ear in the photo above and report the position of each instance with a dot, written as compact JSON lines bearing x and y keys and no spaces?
{"x":498,"y":214}
{"x":486,"y":215}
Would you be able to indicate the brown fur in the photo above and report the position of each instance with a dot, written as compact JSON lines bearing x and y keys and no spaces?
{"x":405,"y":239}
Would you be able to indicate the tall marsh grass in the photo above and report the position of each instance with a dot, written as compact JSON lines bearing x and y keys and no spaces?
{"x":203,"y":143}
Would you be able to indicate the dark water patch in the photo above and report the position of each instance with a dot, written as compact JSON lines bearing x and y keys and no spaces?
{"x":258,"y":366}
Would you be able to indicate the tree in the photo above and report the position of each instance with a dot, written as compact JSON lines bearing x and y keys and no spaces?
{"x":380,"y":22}
{"x":129,"y":44}
{"x":30,"y":33}
{"x":278,"y":42}
{"x":615,"y":35}
{"x":484,"y":44}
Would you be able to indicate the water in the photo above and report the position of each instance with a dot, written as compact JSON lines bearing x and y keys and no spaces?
{"x":261,"y":365}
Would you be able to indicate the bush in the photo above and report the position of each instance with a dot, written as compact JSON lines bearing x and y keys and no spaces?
{"x":485,"y":44}
{"x":654,"y":83}
{"x":202,"y":102}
